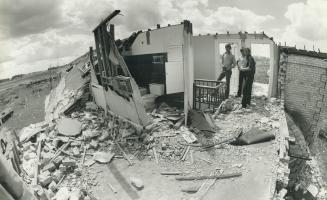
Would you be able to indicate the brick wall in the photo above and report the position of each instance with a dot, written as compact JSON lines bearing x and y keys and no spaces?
{"x":303,"y":81}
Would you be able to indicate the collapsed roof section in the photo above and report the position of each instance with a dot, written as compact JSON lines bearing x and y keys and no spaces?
{"x":114,"y":88}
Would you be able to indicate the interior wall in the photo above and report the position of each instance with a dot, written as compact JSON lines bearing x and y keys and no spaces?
{"x":168,"y":40}
{"x":159,"y":40}
{"x":204,"y":57}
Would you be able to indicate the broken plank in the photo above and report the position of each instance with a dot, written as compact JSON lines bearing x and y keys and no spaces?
{"x":112,"y":188}
{"x":186,"y":152}
{"x":124,"y":154}
{"x":203,"y":159}
{"x":155,"y":155}
{"x":84,"y":152}
{"x":58,"y":152}
{"x":171,"y":173}
{"x":36,"y":173}
{"x":222,"y":176}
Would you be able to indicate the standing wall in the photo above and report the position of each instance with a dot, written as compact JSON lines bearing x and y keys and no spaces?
{"x":306,"y":92}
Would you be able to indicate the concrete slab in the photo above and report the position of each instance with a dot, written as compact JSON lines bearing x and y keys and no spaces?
{"x":69,"y":127}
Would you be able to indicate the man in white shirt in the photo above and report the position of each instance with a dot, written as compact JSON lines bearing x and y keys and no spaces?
{"x":241,"y":63}
{"x":228,"y":63}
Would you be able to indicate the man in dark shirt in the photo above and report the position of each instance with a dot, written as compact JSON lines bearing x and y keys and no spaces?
{"x":249,"y":72}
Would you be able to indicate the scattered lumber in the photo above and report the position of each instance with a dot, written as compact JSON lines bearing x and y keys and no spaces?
{"x":191,"y":156}
{"x":36,"y":173}
{"x":58,"y":152}
{"x":222,"y":176}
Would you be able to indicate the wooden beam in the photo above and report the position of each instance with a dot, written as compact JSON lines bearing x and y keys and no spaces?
{"x":222,"y":176}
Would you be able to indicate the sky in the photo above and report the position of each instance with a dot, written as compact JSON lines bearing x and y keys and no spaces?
{"x":38,"y":34}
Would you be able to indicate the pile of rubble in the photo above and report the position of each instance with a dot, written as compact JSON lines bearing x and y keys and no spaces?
{"x":59,"y":152}
{"x":57,"y":155}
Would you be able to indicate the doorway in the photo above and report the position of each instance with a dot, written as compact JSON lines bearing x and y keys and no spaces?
{"x":235,"y":72}
{"x":261,"y":55}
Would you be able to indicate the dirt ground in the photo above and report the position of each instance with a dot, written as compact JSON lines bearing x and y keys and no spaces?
{"x":26,"y":100}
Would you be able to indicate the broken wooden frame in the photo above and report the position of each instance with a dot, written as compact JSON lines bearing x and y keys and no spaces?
{"x":111,"y":79}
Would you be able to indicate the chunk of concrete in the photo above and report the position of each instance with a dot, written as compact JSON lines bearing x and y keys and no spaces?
{"x":104,"y":136}
{"x":103,"y":157}
{"x":45,"y":179}
{"x":53,"y":186}
{"x":57,"y":175}
{"x":313,"y":190}
{"x":62,"y":194}
{"x":137,"y":183}
{"x":94,"y":144}
{"x":69,"y":127}
{"x":75,"y":194}
{"x":91,"y":106}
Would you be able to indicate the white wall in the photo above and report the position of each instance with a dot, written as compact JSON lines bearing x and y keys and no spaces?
{"x":204,"y":57}
{"x":168,"y":40}
{"x":160,"y":40}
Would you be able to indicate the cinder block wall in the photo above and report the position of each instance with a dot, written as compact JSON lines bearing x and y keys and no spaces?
{"x":305,"y":92}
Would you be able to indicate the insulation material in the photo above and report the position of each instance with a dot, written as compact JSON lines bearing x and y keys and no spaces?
{"x":69,"y":90}
{"x":98,"y":94}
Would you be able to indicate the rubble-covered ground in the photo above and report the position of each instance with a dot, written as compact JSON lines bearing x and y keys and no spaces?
{"x":93,"y":155}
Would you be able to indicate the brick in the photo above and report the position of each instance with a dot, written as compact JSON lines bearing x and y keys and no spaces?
{"x":67,"y":162}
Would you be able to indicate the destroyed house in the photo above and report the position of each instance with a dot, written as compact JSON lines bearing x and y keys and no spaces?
{"x":159,"y":62}
{"x":82,"y":151}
